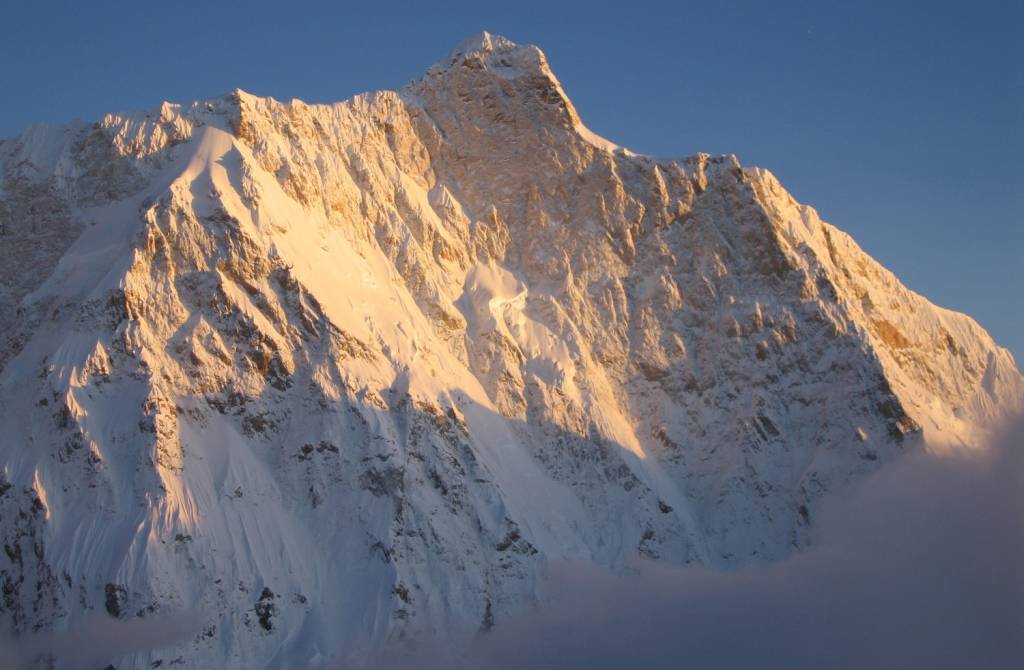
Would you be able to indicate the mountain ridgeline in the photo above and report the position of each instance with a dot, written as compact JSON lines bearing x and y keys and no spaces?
{"x":337,"y":375}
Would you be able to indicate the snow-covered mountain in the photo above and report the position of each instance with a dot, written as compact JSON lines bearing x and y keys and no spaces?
{"x":333,"y":375}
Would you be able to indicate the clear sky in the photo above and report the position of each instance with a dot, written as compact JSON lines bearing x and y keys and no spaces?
{"x":901,"y":122}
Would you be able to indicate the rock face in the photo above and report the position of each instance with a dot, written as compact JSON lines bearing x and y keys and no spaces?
{"x":332,"y":375}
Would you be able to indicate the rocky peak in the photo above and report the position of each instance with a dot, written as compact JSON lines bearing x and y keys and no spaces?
{"x":498,"y":55}
{"x":488,"y":336}
{"x":501,"y":76}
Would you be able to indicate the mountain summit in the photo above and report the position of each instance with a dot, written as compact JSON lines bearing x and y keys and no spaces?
{"x":334,"y":375}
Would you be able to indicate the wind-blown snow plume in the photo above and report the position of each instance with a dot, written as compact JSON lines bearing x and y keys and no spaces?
{"x":918,"y":567}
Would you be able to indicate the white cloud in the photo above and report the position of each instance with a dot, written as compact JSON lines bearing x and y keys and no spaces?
{"x":96,"y":641}
{"x":922,"y":566}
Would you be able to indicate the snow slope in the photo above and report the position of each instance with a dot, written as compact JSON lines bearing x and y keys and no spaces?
{"x":337,"y":375}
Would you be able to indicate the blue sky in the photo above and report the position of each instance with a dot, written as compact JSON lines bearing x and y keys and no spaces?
{"x":902,"y":123}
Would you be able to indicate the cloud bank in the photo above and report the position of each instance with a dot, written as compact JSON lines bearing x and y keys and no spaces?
{"x":95,"y":642}
{"x":922,"y":566}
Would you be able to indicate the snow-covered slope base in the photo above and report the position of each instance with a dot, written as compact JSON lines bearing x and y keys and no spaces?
{"x":334,"y":375}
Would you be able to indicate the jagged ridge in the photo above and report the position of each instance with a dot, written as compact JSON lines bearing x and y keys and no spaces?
{"x":336,"y":374}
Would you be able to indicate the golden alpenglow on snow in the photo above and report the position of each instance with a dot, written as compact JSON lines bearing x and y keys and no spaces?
{"x":282,"y":384}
